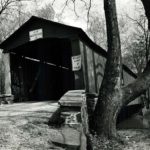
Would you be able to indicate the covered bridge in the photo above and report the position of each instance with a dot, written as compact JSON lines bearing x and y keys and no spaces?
{"x":47,"y":59}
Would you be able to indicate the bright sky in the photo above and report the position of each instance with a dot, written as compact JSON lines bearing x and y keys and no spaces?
{"x":123,"y":7}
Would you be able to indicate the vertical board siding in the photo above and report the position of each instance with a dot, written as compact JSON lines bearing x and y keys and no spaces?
{"x":90,"y":68}
{"x":93,"y":67}
{"x":99,"y":66}
{"x":84,"y":65}
{"x":127,"y":78}
{"x":78,"y":75}
{"x":2,"y":74}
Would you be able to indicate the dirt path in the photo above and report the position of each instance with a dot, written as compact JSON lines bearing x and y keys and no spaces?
{"x":23,"y":126}
{"x":134,"y":139}
{"x":137,"y":139}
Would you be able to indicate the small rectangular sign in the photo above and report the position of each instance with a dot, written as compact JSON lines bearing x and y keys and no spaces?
{"x":76,"y":63}
{"x":36,"y":34}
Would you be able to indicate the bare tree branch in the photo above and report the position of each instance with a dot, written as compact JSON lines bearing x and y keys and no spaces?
{"x":87,"y":5}
{"x":137,"y":22}
{"x":53,"y":2}
{"x":65,"y":5}
{"x":7,"y":4}
{"x":88,"y":11}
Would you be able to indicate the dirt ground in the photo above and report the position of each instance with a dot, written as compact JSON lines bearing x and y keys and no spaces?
{"x":134,"y":139}
{"x":23,"y":126}
{"x":133,"y":134}
{"x":137,"y":139}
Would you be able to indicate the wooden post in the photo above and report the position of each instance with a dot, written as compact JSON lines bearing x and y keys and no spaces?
{"x":94,"y":69}
{"x":78,"y":75}
{"x":21,"y":83}
{"x":7,"y":75}
{"x":85,"y":69}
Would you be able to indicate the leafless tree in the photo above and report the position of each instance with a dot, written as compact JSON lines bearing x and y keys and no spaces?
{"x":97,"y":30}
{"x":46,"y":12}
{"x":112,"y":96}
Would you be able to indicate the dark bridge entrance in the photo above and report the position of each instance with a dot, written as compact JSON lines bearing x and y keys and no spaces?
{"x":42,"y":69}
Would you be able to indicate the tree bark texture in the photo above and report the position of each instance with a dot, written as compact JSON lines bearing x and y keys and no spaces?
{"x":112,"y":97}
{"x":136,"y":88}
{"x":108,"y":104}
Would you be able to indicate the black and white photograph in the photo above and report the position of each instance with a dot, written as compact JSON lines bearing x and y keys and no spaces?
{"x":74,"y":74}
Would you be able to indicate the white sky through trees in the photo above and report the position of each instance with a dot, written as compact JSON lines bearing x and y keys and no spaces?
{"x":69,"y":17}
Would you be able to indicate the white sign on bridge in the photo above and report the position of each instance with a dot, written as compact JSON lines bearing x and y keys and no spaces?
{"x":36,"y":34}
{"x":76,"y":63}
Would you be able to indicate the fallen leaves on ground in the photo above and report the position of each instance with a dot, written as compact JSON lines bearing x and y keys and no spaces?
{"x":25,"y":127}
{"x":134,"y":139}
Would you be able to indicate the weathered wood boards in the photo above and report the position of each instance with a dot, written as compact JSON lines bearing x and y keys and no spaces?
{"x":55,"y":45}
{"x":72,"y":98}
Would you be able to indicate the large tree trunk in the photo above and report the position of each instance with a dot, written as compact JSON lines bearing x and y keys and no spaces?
{"x":112,"y":97}
{"x":136,"y":88}
{"x":108,"y":104}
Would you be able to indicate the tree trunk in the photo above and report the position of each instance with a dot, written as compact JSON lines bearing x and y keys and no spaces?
{"x":136,"y":88}
{"x":108,"y":104}
{"x":112,"y":97}
{"x":107,"y":109}
{"x":106,"y":115}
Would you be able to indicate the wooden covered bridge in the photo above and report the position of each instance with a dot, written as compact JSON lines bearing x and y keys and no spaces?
{"x":46,"y":59}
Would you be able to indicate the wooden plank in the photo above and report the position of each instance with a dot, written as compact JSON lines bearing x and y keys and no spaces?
{"x":72,"y":98}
